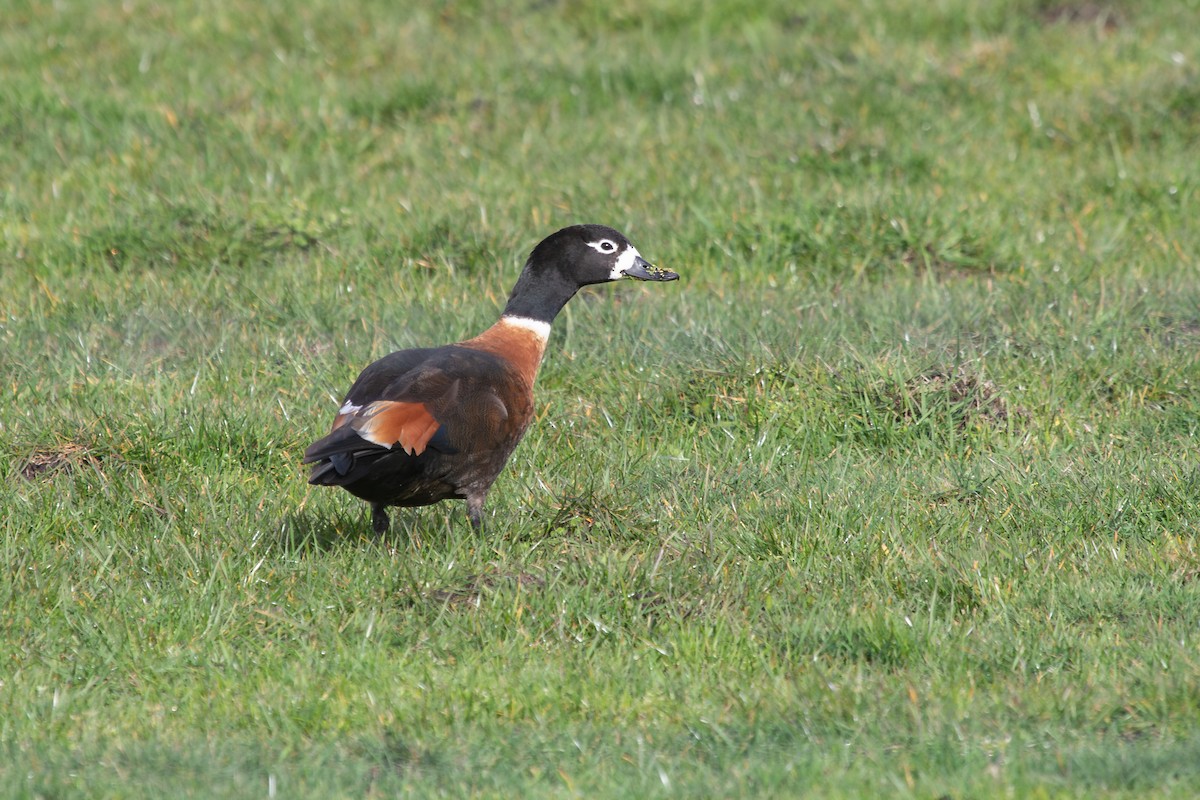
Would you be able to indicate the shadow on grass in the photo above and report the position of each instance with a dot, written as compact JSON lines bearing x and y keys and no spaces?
{"x":304,"y":533}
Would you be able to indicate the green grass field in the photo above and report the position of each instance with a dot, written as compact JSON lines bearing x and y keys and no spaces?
{"x":895,"y":494}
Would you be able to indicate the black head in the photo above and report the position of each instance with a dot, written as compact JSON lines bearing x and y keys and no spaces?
{"x":571,"y":258}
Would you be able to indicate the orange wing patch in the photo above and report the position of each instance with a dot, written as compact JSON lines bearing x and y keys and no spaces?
{"x":387,"y":423}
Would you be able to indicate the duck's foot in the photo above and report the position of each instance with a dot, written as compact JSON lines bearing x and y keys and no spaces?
{"x":379,"y":519}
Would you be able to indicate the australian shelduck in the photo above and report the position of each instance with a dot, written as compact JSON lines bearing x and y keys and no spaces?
{"x":439,"y":423}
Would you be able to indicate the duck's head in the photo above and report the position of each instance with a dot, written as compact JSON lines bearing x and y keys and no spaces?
{"x":603,"y":254}
{"x":574,"y":257}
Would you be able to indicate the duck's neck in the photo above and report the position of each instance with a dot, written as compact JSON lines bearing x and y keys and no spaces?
{"x":521,"y":340}
{"x":541,"y":292}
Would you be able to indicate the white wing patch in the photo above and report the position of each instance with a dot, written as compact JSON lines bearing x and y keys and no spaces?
{"x":348,"y":408}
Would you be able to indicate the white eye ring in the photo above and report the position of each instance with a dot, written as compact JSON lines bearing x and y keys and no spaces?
{"x":604,"y":246}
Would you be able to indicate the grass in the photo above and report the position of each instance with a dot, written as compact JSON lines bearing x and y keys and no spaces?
{"x":896,"y":493}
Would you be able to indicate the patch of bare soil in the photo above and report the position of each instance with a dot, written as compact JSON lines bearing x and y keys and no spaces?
{"x":1103,"y":15}
{"x":972,"y":400}
{"x":472,"y":591}
{"x":65,"y":457}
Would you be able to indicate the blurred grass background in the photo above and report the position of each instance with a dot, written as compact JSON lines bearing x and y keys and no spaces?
{"x":895,"y":494}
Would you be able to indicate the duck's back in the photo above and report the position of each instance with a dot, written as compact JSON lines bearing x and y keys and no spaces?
{"x":419,"y":426}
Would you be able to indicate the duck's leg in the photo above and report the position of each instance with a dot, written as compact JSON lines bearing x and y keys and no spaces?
{"x":379,"y":519}
{"x":475,"y":511}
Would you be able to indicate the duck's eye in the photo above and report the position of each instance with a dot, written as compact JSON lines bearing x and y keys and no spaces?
{"x":604,"y":246}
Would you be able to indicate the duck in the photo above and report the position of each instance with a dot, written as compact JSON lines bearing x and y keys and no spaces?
{"x":428,"y":424}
